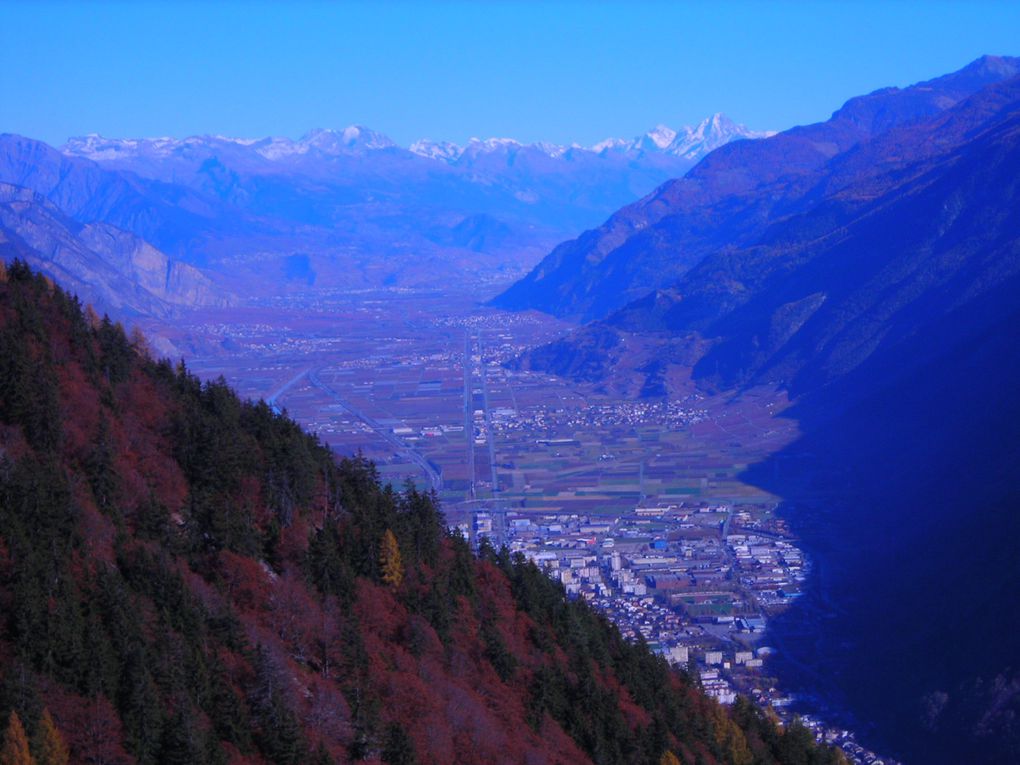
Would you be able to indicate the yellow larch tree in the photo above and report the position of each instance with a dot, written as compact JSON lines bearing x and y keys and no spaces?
{"x":389,"y":560}
{"x":15,"y":750}
{"x":48,"y":744}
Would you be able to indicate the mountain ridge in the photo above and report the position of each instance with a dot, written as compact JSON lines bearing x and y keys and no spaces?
{"x":110,"y":267}
{"x":687,"y":142}
{"x":723,"y":201}
{"x":882,"y":298}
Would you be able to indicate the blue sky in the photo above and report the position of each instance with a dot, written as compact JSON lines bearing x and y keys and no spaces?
{"x":566,"y":71}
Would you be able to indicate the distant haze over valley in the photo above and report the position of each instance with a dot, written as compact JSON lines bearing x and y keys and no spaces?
{"x":211,"y":220}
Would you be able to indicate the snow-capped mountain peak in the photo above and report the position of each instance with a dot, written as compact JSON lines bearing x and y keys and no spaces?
{"x":689,"y":143}
{"x":611,"y":144}
{"x":352,"y":137}
{"x":440,"y":150}
{"x":711,"y":133}
{"x":661,"y":135}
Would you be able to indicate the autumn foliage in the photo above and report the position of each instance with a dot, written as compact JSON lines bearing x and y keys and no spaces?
{"x":389,"y":560}
{"x":15,"y":749}
{"x":186,"y":577}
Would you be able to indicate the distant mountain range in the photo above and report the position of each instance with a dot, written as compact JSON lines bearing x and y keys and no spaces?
{"x":689,"y":143}
{"x":362,"y":211}
{"x":869,"y":266}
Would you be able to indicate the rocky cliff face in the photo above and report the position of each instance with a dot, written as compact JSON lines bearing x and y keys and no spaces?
{"x":170,"y":280}
{"x":110,"y":267}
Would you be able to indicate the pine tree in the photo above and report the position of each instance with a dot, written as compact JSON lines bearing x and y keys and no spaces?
{"x":322,"y":756}
{"x":389,"y":560}
{"x":48,"y":743}
{"x":180,"y":741}
{"x":15,"y":750}
{"x":399,"y":749}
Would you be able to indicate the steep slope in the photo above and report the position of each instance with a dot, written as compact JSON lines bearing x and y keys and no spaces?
{"x":189,"y":578}
{"x":107,"y":266}
{"x":909,"y":373}
{"x":888,"y":309}
{"x":904,"y":490}
{"x":728,"y":199}
{"x":169,"y":216}
{"x":903,"y":230}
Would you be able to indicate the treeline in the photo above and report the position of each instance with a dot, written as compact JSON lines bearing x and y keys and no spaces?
{"x":186,"y":577}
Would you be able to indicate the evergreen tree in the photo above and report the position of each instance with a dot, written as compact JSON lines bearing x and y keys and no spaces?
{"x":48,"y":744}
{"x":322,"y":756}
{"x":180,"y":744}
{"x":18,"y":693}
{"x":389,"y":560}
{"x":399,"y":749}
{"x":102,"y":476}
{"x":15,"y":750}
{"x":279,"y":734}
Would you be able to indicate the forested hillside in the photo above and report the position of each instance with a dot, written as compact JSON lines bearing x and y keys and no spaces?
{"x":186,"y":577}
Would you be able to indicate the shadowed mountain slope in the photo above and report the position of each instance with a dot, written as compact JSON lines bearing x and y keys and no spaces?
{"x":888,"y":307}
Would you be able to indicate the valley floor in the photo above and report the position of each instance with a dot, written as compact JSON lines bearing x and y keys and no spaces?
{"x":636,"y":505}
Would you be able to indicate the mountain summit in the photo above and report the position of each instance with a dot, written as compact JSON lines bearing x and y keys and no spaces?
{"x":688,"y":142}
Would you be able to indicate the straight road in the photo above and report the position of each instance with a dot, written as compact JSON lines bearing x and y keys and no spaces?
{"x":469,"y":419}
{"x":283,"y":389}
{"x":386,"y":434}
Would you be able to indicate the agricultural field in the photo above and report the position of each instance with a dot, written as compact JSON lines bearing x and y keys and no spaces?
{"x":416,"y":382}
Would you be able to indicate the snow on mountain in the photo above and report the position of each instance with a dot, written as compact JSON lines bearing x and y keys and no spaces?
{"x":352,"y":139}
{"x":710,"y":134}
{"x":660,"y":137}
{"x":611,"y":144}
{"x":687,"y":142}
{"x":442,"y":150}
{"x":96,"y":147}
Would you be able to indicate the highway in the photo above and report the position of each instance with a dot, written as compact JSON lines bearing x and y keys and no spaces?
{"x":283,"y":389}
{"x":469,"y":420}
{"x":498,"y":513}
{"x":489,"y":430}
{"x":435,"y":479}
{"x":493,"y":505}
